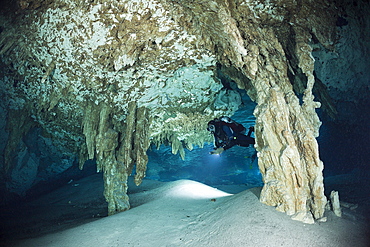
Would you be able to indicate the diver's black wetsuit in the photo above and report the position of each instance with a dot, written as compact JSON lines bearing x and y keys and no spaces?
{"x":226,"y":138}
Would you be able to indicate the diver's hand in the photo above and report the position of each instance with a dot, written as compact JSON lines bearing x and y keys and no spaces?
{"x":217,"y":151}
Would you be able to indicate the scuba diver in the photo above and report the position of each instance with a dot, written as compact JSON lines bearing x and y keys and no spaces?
{"x":228,"y":133}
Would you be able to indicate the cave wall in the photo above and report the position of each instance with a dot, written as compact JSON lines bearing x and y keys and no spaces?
{"x":349,"y":86}
{"x":344,"y":71}
{"x":104,"y":79}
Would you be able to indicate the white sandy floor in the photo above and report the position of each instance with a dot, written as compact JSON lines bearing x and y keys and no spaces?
{"x":180,"y":213}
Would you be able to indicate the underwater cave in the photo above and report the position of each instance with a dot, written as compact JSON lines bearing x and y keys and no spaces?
{"x":105,"y":106}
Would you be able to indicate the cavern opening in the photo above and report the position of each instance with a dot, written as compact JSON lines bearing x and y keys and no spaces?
{"x":236,"y":166}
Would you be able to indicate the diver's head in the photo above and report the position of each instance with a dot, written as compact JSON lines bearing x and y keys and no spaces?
{"x":211,"y":126}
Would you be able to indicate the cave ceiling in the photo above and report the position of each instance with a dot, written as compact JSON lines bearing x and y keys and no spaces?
{"x":65,"y":55}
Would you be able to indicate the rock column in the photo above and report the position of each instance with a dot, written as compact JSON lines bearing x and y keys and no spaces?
{"x":285,"y":133}
{"x":117,"y":148}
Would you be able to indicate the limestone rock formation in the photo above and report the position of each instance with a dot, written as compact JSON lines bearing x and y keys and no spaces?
{"x":104,"y":79}
{"x":335,"y":203}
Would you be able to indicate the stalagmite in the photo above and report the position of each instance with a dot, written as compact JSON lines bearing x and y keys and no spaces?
{"x":335,"y":203}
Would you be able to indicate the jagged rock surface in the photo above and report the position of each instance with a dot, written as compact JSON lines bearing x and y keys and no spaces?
{"x":106,"y":78}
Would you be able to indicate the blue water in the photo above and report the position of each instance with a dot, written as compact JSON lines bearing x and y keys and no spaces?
{"x":234,"y":166}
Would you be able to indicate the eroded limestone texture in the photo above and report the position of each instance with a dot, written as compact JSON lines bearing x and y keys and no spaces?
{"x":107,"y":78}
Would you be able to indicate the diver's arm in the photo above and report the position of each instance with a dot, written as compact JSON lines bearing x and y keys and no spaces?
{"x":228,"y":145}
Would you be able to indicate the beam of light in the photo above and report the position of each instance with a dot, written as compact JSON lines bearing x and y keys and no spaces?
{"x":194,"y":190}
{"x":213,"y":159}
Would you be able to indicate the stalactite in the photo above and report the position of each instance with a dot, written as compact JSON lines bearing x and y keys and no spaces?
{"x":175,"y":144}
{"x":90,"y":125}
{"x":191,"y":126}
{"x":141,"y":143}
{"x":125,"y":152}
{"x":117,"y":149}
{"x":83,"y":155}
